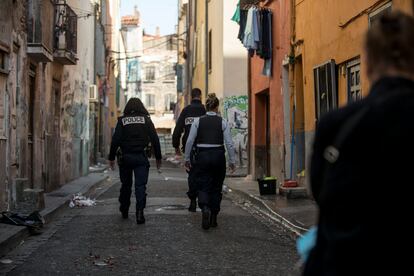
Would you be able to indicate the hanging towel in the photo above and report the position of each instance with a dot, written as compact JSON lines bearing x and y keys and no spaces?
{"x":248,"y":36}
{"x":236,"y":16}
{"x":251,"y":33}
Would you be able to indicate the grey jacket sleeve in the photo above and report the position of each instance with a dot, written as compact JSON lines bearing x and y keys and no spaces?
{"x":191,"y":139}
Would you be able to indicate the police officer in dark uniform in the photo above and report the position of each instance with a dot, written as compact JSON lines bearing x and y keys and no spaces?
{"x":209,"y":134}
{"x":188,"y":115}
{"x":132,"y":135}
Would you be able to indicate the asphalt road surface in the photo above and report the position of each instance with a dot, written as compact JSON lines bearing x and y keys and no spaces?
{"x":97,"y":241}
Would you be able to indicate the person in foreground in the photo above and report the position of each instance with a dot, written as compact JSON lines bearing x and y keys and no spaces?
{"x":209,"y":134}
{"x":361,"y":168}
{"x":188,"y":116}
{"x":132,"y":135}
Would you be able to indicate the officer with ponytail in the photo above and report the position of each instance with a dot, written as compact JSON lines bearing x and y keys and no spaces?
{"x":132,"y":135}
{"x":209,"y":134}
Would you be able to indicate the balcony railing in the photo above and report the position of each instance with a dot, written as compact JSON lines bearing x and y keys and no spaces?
{"x":65,"y":34}
{"x":40,"y":17}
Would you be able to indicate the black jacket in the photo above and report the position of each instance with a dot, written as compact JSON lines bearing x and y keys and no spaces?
{"x":194,"y":110}
{"x":365,"y":199}
{"x":132,"y":134}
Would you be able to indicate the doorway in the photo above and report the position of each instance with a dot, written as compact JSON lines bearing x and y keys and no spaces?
{"x":53,"y":140}
{"x":31,"y":115}
{"x":298,"y":123}
{"x":262,"y":134}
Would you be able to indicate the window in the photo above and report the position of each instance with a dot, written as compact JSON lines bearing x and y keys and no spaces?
{"x":3,"y":62}
{"x":169,"y":72}
{"x":169,"y":102}
{"x":150,"y":73}
{"x":354,"y":81}
{"x":150,"y":101}
{"x":375,"y":15}
{"x":210,"y":50}
{"x":326,"y":92}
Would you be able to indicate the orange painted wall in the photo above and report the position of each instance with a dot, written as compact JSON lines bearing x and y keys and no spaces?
{"x":318,"y":24}
{"x":273,"y":84}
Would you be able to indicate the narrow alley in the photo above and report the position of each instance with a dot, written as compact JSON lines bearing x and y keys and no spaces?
{"x":258,"y":137}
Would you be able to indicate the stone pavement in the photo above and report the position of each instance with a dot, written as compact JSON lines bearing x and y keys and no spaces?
{"x":97,"y":241}
{"x":10,"y":235}
{"x":298,"y":214}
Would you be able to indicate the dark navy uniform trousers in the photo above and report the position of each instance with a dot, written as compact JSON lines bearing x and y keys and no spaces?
{"x":192,"y":183}
{"x":134,"y":164}
{"x":209,"y":174}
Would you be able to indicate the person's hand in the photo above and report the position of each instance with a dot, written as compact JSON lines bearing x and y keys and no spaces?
{"x":177,"y":152}
{"x":232,"y":168}
{"x":112,"y":164}
{"x":158,"y":162}
{"x":187,"y":165}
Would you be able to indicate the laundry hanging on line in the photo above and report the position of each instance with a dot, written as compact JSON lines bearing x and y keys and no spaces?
{"x":255,"y":33}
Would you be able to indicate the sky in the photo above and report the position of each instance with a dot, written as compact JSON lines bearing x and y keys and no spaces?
{"x":162,"y":13}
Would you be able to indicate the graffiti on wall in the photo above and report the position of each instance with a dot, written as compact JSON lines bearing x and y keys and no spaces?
{"x":74,"y":122}
{"x":235,"y":112}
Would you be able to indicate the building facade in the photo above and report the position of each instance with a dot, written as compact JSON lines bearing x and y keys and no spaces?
{"x":217,"y":63}
{"x":159,"y":84}
{"x":328,"y":69}
{"x":56,"y":85}
{"x":132,"y":33}
{"x":45,"y":107}
{"x":268,"y":144}
{"x":159,"y":79}
{"x":182,"y":66}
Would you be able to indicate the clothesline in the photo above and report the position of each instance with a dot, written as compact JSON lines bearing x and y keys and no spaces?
{"x":255,"y":33}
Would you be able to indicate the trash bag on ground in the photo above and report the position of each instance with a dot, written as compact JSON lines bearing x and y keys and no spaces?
{"x":81,"y":201}
{"x":34,"y":221}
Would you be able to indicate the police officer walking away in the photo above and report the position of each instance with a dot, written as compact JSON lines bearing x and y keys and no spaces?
{"x":209,"y":134}
{"x":188,"y":115}
{"x":132,"y":135}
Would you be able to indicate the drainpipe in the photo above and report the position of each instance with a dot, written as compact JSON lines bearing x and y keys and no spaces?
{"x":249,"y":114}
{"x":189,"y":59}
{"x":206,"y":47}
{"x":292,"y":79}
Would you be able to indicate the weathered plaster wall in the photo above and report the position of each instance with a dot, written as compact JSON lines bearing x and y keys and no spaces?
{"x":260,"y":85}
{"x":13,"y":140}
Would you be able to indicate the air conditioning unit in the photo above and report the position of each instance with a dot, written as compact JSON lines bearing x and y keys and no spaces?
{"x":93,"y":94}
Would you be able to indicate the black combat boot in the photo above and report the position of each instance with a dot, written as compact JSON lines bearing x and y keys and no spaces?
{"x":213,"y":220}
{"x":205,"y":218}
{"x":140,"y":216}
{"x":193,"y":205}
{"x":124,"y":212}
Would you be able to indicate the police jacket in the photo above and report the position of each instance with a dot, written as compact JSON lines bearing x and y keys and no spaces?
{"x":133,"y":134}
{"x":185,"y":120}
{"x":365,"y":197}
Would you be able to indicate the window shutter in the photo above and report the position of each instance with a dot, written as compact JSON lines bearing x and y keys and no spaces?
{"x":326,"y":91}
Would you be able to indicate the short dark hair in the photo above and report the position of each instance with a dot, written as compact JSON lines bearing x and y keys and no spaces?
{"x":390,"y":42}
{"x":134,"y":106}
{"x":212,"y":102}
{"x":195,"y":93}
